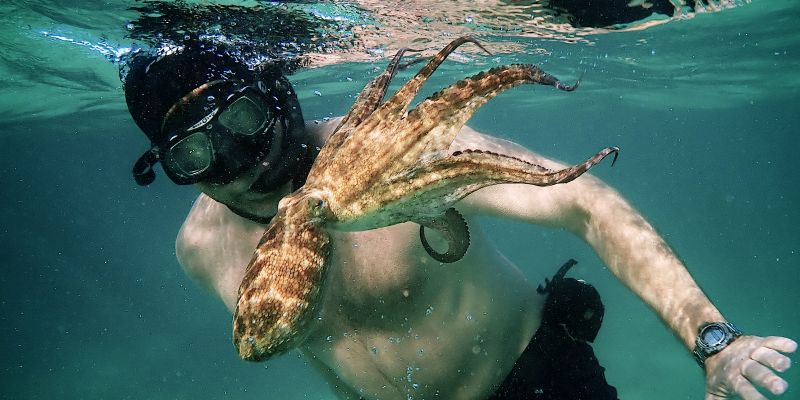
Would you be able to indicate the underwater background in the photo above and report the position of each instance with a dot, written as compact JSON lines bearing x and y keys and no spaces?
{"x":93,"y":304}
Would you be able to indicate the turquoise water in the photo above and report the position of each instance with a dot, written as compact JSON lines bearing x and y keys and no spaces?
{"x":93,"y":304}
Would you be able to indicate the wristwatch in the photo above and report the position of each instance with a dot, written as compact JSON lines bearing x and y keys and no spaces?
{"x":712,"y":338}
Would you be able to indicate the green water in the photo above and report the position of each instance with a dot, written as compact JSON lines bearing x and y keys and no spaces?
{"x":93,"y":304}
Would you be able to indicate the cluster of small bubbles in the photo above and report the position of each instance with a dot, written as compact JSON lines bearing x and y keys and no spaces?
{"x":394,"y":340}
{"x":469,"y":317}
{"x":329,"y":338}
{"x":429,"y":311}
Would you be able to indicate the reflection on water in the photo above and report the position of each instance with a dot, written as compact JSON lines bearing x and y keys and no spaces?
{"x":58,"y":51}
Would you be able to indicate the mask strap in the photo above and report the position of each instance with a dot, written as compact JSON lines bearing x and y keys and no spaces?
{"x":143,"y":172}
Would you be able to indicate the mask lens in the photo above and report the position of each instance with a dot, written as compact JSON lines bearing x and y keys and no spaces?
{"x":191,"y":155}
{"x":245,"y":116}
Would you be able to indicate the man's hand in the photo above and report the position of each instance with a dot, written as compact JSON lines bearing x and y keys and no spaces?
{"x":748,"y":362}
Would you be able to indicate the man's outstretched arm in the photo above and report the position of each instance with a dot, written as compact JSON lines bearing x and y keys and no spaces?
{"x":642,"y":260}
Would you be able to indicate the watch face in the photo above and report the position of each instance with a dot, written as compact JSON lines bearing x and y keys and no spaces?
{"x":713,"y":335}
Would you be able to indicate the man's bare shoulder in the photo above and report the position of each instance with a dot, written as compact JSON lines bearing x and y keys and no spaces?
{"x":214,"y":245}
{"x":211,"y":222}
{"x":319,"y":131}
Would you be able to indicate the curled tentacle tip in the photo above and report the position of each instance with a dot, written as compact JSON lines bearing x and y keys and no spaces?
{"x":615,"y":150}
{"x":569,"y":88}
{"x":477,"y":43}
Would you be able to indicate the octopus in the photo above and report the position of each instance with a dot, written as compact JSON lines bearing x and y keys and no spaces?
{"x":383,"y":165}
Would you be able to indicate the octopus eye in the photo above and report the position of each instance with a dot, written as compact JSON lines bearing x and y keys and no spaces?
{"x":317,"y":206}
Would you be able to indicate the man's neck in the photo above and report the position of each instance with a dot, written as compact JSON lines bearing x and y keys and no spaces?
{"x":265,"y":220}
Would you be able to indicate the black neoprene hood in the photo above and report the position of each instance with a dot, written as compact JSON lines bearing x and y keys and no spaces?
{"x":155,"y":82}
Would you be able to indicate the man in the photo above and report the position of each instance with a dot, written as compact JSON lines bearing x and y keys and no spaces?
{"x":393,"y":323}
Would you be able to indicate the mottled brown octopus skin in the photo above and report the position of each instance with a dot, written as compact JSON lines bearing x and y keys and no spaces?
{"x":383,"y":165}
{"x":284,"y":282}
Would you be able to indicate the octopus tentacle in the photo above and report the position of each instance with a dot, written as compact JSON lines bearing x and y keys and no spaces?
{"x":383,"y":124}
{"x":372,"y":95}
{"x":434,"y":123}
{"x":442,"y":182}
{"x":455,"y":230}
{"x":402,"y":99}
{"x":365,"y":104}
{"x":282,"y":286}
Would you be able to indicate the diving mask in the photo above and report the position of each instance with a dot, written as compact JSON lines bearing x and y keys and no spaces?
{"x":214,"y":133}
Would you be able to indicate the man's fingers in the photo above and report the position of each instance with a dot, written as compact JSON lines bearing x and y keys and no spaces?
{"x":771,"y":358}
{"x":758,"y":374}
{"x":746,"y":390}
{"x":782,"y":344}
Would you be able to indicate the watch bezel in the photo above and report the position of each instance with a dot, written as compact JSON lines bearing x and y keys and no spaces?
{"x":703,"y":349}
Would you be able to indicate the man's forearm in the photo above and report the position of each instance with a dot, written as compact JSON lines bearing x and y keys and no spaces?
{"x":642,"y":260}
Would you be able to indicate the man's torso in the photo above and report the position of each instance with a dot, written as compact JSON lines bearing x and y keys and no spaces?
{"x":394,"y":322}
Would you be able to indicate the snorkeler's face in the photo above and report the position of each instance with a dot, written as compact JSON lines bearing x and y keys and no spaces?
{"x":252,"y":190}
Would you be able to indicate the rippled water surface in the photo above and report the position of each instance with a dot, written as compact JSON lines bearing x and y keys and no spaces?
{"x":94,"y":305}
